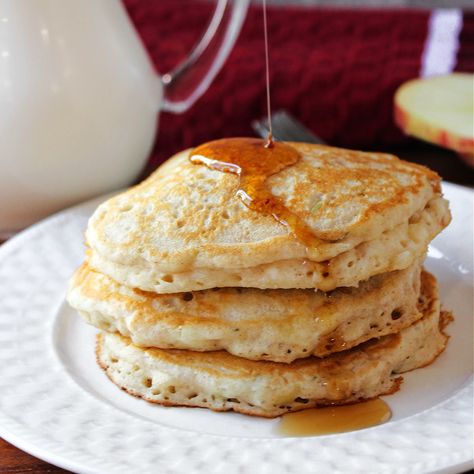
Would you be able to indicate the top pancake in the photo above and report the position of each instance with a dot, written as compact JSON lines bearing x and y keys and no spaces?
{"x":187,"y":216}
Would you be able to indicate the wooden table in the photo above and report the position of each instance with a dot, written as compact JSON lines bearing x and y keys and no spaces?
{"x":446,"y":163}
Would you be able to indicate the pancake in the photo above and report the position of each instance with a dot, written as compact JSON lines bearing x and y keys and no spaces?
{"x":277,"y":325}
{"x":393,"y":250}
{"x":222,"y":382}
{"x":185,"y":229}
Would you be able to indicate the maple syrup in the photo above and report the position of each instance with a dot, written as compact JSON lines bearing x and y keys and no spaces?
{"x":255,"y":160}
{"x":269,"y":142}
{"x":335,"y":419}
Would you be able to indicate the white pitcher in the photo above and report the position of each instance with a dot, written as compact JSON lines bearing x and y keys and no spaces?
{"x":79,"y":99}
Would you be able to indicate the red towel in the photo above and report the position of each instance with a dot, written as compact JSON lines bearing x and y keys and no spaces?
{"x":336,"y":70}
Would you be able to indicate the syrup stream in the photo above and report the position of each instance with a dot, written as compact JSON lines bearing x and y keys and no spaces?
{"x":269,"y":142}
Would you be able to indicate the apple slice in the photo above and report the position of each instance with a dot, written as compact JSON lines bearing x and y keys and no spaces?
{"x":439,"y":110}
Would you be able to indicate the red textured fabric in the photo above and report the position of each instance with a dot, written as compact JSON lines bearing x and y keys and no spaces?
{"x":465,"y":59}
{"x":334,"y":69}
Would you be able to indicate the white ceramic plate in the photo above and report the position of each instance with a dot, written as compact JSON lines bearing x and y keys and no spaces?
{"x":58,"y":405}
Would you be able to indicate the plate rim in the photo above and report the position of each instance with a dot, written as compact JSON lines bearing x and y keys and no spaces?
{"x":24,"y":442}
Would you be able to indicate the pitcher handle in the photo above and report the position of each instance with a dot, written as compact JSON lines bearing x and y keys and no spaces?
{"x":192,"y":77}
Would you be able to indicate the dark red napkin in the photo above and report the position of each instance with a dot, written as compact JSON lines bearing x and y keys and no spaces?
{"x":334,"y":69}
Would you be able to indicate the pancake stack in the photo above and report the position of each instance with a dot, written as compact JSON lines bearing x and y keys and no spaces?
{"x":205,"y":301}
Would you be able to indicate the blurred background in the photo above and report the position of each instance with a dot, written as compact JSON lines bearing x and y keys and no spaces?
{"x":379,"y":3}
{"x":334,"y":65}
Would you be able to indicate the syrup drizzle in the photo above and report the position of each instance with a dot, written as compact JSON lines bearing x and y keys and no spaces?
{"x":335,"y":419}
{"x":269,"y":142}
{"x":254,"y":162}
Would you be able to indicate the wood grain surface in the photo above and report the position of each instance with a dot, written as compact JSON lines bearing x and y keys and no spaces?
{"x":14,"y":461}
